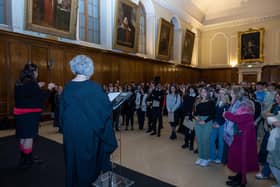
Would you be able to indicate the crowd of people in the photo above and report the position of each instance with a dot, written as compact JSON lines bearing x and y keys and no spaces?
{"x":225,"y":120}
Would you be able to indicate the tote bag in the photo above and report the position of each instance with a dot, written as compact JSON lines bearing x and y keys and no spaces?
{"x":171,"y":117}
{"x":188,"y":123}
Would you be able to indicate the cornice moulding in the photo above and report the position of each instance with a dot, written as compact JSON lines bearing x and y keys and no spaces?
{"x":239,"y":22}
{"x":180,"y":12}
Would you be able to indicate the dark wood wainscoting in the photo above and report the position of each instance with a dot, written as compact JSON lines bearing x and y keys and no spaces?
{"x":219,"y":75}
{"x":52,"y":58}
{"x":271,"y":73}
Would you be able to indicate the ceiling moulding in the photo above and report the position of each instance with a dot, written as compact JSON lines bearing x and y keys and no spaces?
{"x":240,"y":22}
{"x":180,"y":12}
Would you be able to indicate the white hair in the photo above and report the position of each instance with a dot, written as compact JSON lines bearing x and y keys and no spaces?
{"x":82,"y":65}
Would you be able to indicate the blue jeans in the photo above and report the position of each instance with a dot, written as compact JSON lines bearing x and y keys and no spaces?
{"x":217,"y":133}
{"x":276,"y":173}
{"x":203,"y":133}
{"x":266,"y":170}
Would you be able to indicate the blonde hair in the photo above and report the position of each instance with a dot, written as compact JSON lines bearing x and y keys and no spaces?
{"x":225,"y":100}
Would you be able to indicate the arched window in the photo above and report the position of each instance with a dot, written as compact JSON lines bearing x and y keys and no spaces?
{"x":142,"y":30}
{"x":5,"y":7}
{"x":89,"y":21}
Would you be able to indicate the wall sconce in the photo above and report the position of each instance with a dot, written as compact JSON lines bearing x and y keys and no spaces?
{"x":233,"y":63}
{"x":50,"y":64}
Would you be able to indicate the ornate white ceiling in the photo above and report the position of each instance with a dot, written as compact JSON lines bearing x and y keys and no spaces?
{"x":213,"y":12}
{"x":216,"y":11}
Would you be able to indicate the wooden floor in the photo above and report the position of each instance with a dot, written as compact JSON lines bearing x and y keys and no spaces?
{"x":161,"y":158}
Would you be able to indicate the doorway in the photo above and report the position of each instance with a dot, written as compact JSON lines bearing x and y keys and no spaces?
{"x":250,"y":77}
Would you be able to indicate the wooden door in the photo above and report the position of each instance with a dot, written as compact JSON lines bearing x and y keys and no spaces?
{"x":250,"y":77}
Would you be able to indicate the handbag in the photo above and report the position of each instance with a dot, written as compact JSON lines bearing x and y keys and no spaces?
{"x":170,"y":117}
{"x":188,"y":123}
{"x":274,"y":135}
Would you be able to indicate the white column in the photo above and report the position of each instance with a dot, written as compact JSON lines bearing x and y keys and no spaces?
{"x":177,"y":51}
{"x":150,"y":34}
{"x":240,"y":76}
{"x":194,"y":61}
{"x":18,"y":8}
{"x":259,"y":75}
{"x":107,"y":23}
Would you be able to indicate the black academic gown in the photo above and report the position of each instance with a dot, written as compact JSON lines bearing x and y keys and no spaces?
{"x":88,"y":136}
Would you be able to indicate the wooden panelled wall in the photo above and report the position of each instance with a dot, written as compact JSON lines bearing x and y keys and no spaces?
{"x":219,"y":75}
{"x":271,"y":73}
{"x":18,"y":49}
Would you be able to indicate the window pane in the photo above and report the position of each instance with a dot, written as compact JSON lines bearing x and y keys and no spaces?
{"x":82,"y":20}
{"x":81,"y":6}
{"x":90,"y":23}
{"x":96,"y":24}
{"x":2,"y":12}
{"x":96,"y":2}
{"x":96,"y":11}
{"x":90,"y":10}
{"x":96,"y":37}
{"x":90,"y":36}
{"x":91,"y":26}
{"x":82,"y":33}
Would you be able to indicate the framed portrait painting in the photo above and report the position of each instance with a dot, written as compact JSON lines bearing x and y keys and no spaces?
{"x":164,"y":39}
{"x":56,"y":17}
{"x":250,"y":45}
{"x":126,"y":26}
{"x":187,"y":50}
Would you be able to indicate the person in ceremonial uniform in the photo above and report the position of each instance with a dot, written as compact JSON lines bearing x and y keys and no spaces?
{"x":86,"y":119}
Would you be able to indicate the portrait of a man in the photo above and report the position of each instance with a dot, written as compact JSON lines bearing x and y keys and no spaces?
{"x":165,"y":38}
{"x":126,"y":26}
{"x":251,"y":46}
{"x":187,"y":50}
{"x":56,"y":17}
{"x":163,"y":44}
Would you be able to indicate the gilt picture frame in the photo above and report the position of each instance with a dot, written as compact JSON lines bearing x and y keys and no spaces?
{"x":250,"y":46}
{"x":54,"y":17}
{"x":164,"y":39}
{"x":187,"y":49}
{"x":126,"y":27}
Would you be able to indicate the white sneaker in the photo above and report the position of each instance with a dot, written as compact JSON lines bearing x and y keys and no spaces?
{"x":204,"y":163}
{"x":198,"y":161}
{"x":218,"y":161}
{"x":260,"y":176}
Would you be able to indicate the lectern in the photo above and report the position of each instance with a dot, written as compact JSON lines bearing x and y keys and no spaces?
{"x":111,"y":179}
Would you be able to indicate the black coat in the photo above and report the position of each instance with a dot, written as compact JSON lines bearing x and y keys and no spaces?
{"x":89,"y":139}
{"x":28,"y":95}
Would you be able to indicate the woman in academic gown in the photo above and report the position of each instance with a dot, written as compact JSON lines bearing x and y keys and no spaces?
{"x":85,"y":114}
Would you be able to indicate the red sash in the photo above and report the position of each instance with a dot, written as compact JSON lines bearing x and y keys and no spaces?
{"x":21,"y":111}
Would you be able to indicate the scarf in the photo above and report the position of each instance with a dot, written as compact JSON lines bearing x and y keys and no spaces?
{"x":240,"y":106}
